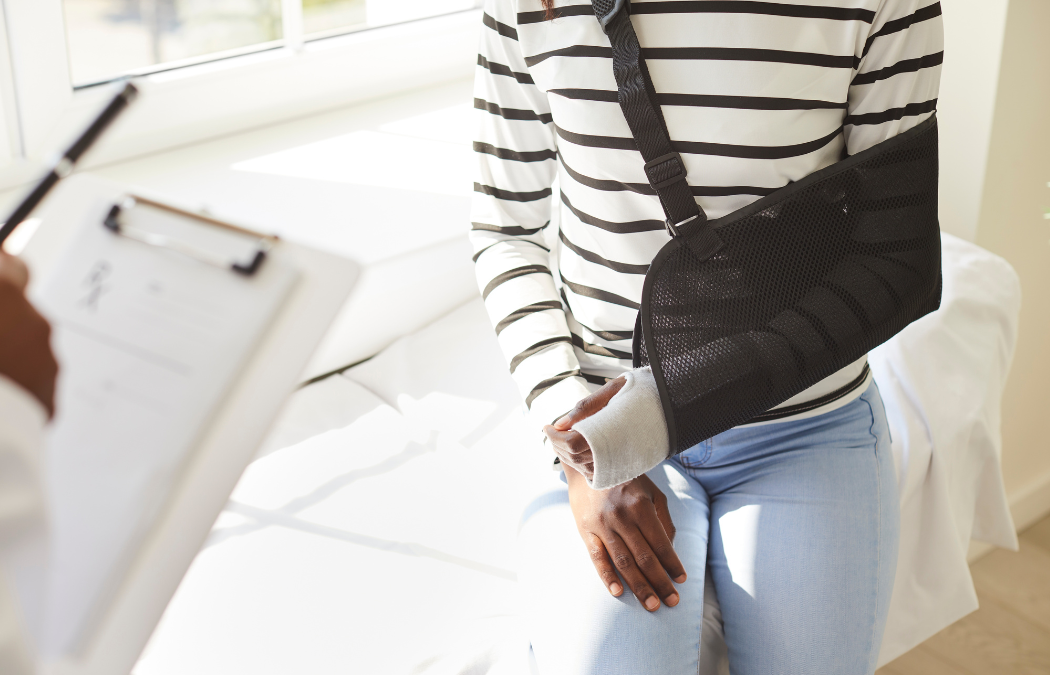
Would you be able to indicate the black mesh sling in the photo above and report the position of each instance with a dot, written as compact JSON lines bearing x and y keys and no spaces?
{"x":741,"y":313}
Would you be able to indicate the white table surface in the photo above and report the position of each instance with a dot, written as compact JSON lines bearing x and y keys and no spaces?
{"x":371,"y":537}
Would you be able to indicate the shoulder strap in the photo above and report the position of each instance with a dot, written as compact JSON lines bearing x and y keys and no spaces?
{"x":663,"y":166}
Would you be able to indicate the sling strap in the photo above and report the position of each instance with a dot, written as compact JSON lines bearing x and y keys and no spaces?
{"x":741,"y":313}
{"x":664,"y":167}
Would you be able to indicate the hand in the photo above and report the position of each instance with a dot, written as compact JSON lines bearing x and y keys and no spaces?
{"x":25,"y":336}
{"x":628,"y":529}
{"x":570,"y":446}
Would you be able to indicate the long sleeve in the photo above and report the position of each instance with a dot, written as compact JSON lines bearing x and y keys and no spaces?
{"x":22,"y":514}
{"x":894,"y":88}
{"x":897,"y":82}
{"x":516,"y":152}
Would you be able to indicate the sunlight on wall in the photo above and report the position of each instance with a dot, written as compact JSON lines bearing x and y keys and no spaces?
{"x":973,"y":43}
{"x":1014,"y":198}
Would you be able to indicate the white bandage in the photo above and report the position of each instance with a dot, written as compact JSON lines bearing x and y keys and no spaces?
{"x":629,"y":435}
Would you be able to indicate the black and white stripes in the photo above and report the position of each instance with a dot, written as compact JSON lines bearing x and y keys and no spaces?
{"x":755,"y":94}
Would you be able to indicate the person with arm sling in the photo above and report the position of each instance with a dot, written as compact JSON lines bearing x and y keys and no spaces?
{"x":740,"y":314}
{"x":704,"y":463}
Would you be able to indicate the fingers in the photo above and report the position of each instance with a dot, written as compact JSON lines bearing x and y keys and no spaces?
{"x":625,"y":561}
{"x":570,"y":445}
{"x":647,"y":560}
{"x":13,"y":270}
{"x":38,"y":369}
{"x":659,"y":533}
{"x":586,"y":469}
{"x":25,"y":342}
{"x":600,"y":559}
{"x":663,"y":513}
{"x":591,"y":404}
{"x":627,"y":536}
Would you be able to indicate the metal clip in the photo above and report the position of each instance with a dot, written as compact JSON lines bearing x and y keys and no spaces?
{"x":672,"y":228}
{"x":247,"y":267}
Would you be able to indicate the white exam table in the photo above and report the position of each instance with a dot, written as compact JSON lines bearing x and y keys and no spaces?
{"x":375,"y":534}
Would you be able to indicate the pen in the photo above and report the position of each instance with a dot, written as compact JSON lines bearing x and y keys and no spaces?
{"x":64,"y":166}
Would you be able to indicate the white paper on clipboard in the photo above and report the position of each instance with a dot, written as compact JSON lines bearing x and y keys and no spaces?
{"x":148,"y":340}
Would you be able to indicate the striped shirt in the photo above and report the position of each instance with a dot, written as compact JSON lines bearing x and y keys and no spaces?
{"x":756,"y":95}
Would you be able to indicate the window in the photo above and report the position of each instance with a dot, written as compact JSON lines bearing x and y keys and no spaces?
{"x":321,"y":17}
{"x":108,"y":39}
{"x":210,"y":67}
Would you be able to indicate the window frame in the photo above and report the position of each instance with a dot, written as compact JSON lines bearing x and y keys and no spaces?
{"x":192,"y":103}
{"x":10,"y":133}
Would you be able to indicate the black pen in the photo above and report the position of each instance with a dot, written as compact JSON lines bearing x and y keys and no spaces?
{"x":64,"y":166}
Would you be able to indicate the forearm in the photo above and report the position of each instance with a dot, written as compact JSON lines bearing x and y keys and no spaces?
{"x":516,"y":153}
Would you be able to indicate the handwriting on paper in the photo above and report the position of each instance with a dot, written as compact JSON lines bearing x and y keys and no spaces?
{"x":95,"y":285}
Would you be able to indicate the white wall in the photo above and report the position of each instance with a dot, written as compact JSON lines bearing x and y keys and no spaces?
{"x":1011,"y":223}
{"x":973,"y":45}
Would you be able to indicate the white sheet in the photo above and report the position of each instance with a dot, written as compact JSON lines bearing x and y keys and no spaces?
{"x":395,"y":297}
{"x":322,"y":564}
{"x":381,"y":545}
{"x":942,"y":380}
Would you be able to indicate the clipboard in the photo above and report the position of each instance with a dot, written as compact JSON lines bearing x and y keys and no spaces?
{"x":153,"y":312}
{"x":247,"y":266}
{"x":121,"y":625}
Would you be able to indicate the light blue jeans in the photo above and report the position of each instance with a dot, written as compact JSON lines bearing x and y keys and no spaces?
{"x":797,"y":524}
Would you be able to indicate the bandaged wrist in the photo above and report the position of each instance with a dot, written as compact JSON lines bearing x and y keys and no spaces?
{"x":629,"y":435}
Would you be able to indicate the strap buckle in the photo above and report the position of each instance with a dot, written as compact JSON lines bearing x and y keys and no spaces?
{"x":665,"y":170}
{"x":672,"y":228}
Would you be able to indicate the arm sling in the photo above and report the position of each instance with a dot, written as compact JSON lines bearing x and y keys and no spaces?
{"x":741,"y":313}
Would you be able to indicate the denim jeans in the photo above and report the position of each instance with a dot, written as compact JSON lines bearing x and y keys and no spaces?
{"x":797,"y":524}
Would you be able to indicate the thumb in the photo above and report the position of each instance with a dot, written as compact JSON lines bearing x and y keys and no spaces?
{"x":14,"y":271}
{"x":592,"y":404}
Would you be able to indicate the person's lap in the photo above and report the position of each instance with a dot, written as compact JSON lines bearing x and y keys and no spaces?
{"x":803,"y":521}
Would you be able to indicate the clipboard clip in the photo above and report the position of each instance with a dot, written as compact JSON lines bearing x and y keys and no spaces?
{"x":248,"y":267}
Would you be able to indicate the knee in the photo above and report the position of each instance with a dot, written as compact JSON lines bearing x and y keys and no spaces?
{"x":589,"y":631}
